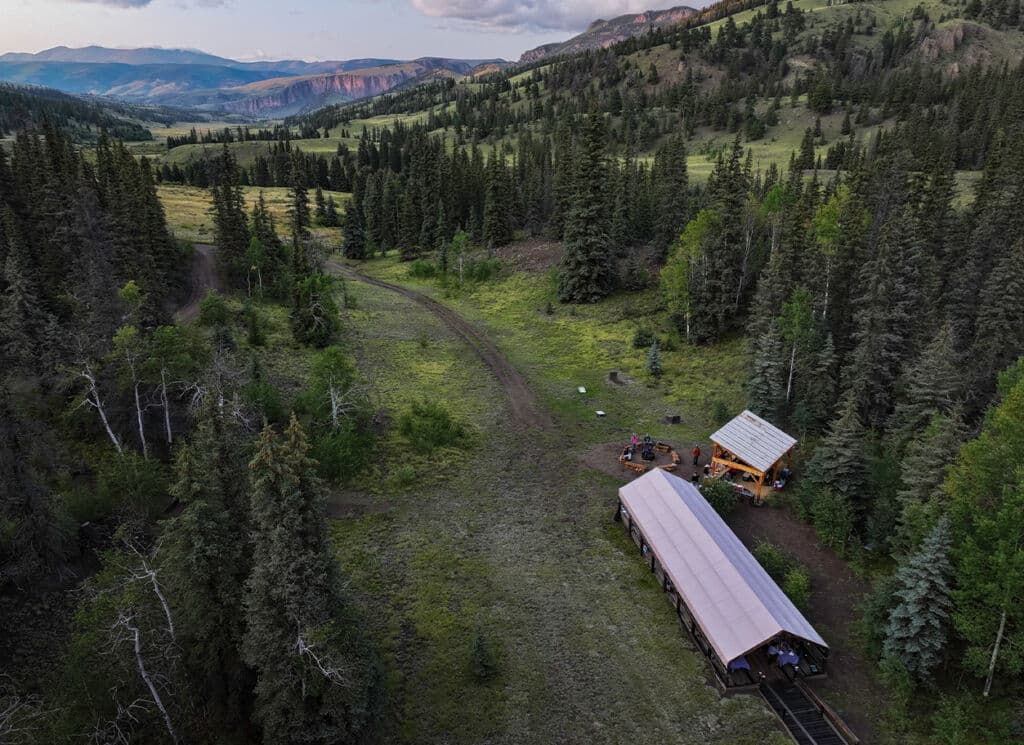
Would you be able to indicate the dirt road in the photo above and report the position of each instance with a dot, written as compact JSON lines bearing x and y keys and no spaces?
{"x":524,"y":405}
{"x":202,"y":278}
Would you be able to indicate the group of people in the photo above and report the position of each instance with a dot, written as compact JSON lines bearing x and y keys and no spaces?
{"x":647,"y":453}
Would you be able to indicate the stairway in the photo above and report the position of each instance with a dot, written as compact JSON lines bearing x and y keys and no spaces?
{"x":802,"y":718}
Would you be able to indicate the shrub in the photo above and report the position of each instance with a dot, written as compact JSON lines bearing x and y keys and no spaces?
{"x":773,"y":560}
{"x":720,"y":412}
{"x":213,"y":311}
{"x":428,"y":425}
{"x":720,"y":495}
{"x":132,"y":484}
{"x":423,"y":269}
{"x":482,"y":271}
{"x":643,"y":338}
{"x":797,"y":586}
{"x":341,"y":453}
{"x":265,"y":398}
{"x":833,"y":519}
{"x":483,"y":663}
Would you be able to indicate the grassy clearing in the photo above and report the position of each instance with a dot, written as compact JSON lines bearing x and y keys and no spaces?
{"x":509,"y":539}
{"x":579,"y":346}
{"x":187,"y":209}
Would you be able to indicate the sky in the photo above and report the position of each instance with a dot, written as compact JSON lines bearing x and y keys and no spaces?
{"x":307,"y":29}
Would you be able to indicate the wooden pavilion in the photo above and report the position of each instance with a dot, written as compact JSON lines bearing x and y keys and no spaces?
{"x":751,"y":445}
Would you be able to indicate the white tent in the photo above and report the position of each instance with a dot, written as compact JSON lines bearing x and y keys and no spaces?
{"x":738,"y":607}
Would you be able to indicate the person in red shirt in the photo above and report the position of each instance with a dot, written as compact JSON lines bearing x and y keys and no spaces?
{"x":696,"y":454}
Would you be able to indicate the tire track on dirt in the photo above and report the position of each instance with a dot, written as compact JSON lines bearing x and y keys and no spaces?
{"x":525,"y":407}
{"x":202,"y":278}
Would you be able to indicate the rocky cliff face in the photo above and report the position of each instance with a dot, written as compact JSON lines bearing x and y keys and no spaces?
{"x":603,"y":33}
{"x":298,"y":94}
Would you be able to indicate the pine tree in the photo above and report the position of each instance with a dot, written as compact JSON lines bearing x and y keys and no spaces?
{"x":28,"y":332}
{"x":929,"y":454}
{"x":497,"y":204}
{"x":353,"y":226}
{"x":313,"y":681}
{"x":766,"y":390}
{"x":918,"y":625}
{"x":204,"y":561}
{"x":932,"y":384}
{"x":838,"y":472}
{"x":999,"y":336}
{"x":587,"y":273}
{"x":654,"y":368}
{"x":672,"y":182}
{"x":231,"y":226}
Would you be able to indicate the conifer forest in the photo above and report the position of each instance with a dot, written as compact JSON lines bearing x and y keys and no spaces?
{"x":291,"y":448}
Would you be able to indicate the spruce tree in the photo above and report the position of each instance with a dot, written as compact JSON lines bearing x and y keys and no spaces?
{"x":766,"y":388}
{"x":919,"y":624}
{"x":672,"y":181}
{"x":587,"y":273}
{"x":353,"y":226}
{"x":230,"y":224}
{"x":204,"y":562}
{"x":314,"y":684}
{"x":999,"y":335}
{"x":654,"y":368}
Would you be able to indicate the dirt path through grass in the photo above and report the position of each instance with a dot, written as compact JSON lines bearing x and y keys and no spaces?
{"x":524,"y":405}
{"x":202,"y":278}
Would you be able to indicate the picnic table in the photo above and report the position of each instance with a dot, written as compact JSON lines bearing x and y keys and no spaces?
{"x":740,"y":663}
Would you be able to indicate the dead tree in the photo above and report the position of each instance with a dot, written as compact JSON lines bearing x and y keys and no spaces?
{"x":92,"y":398}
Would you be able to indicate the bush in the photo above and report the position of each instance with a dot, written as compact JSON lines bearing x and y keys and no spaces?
{"x":773,"y":560}
{"x":483,"y":663}
{"x":833,"y":519}
{"x":720,"y":495}
{"x":341,"y":453}
{"x":482,"y":271}
{"x":797,"y":586}
{"x":132,"y":484}
{"x":265,"y":398}
{"x":643,"y":338}
{"x":428,"y":425}
{"x":213,"y":311}
{"x":423,"y":269}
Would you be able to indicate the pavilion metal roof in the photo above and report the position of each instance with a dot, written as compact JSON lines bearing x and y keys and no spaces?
{"x":754,"y":441}
{"x":738,"y":607}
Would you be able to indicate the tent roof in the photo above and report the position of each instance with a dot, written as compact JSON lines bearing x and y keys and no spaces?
{"x":754,"y":440}
{"x":737,"y":605}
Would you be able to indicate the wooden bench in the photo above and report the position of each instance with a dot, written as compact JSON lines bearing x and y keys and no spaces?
{"x":639,"y":468}
{"x":661,"y":447}
{"x":669,"y":467}
{"x":676,"y":460}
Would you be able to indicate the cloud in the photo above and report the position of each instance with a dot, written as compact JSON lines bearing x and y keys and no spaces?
{"x":538,"y":15}
{"x":117,"y":3}
{"x":144,"y":3}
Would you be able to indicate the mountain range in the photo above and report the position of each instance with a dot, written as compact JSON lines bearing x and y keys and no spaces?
{"x":178,"y":77}
{"x":268,"y":89}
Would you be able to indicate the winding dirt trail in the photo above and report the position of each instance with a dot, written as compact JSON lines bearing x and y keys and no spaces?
{"x":525,"y":407}
{"x":202,"y":278}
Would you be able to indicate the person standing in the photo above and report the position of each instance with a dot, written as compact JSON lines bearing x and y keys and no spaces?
{"x":696,"y":454}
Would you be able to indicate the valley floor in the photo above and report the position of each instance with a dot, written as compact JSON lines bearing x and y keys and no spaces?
{"x":511,"y":538}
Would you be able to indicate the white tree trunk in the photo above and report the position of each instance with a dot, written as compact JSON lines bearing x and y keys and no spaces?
{"x":92,"y":397}
{"x":134,"y":630}
{"x":792,"y":364}
{"x":995,"y":654}
{"x":138,"y":418}
{"x":335,"y":416}
{"x":166,"y":404}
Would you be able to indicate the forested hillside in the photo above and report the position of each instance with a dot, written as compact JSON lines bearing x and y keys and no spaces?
{"x":188,"y":589}
{"x":23,"y":107}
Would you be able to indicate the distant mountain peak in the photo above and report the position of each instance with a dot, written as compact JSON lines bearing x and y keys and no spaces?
{"x":603,"y":33}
